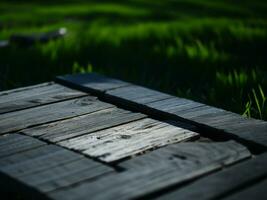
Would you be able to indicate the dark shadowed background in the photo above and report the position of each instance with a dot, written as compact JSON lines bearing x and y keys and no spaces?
{"x":213,"y":51}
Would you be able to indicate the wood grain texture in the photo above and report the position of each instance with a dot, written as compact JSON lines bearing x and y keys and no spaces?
{"x":51,"y":167}
{"x":34,"y":96}
{"x":91,"y":82}
{"x":19,"y":157}
{"x":69,"y":128}
{"x":228,"y":181}
{"x":127,"y":140}
{"x":66,"y":175}
{"x":16,"y":121}
{"x":147,"y":179}
{"x":40,"y":163}
{"x":14,"y":143}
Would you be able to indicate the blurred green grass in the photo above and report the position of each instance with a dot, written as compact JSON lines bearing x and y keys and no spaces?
{"x":206,"y":50}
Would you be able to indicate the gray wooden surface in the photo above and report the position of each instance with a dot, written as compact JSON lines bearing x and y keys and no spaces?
{"x":156,"y":103}
{"x":129,"y":139}
{"x":92,"y":137}
{"x":34,"y":96}
{"x":15,"y":121}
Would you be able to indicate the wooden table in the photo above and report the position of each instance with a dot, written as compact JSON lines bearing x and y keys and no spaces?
{"x":87,"y":136}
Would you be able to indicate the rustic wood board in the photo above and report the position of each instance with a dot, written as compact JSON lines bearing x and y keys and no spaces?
{"x":66,"y":175}
{"x":197,"y":152}
{"x":15,"y":121}
{"x":27,"y":155}
{"x":35,"y":96}
{"x":131,"y":184}
{"x":14,"y":143}
{"x":174,"y":105}
{"x":92,"y":82}
{"x":223,"y":183}
{"x":40,"y":163}
{"x":51,"y":167}
{"x":127,"y":140}
{"x":20,"y":89}
{"x":138,"y":94}
{"x":76,"y":126}
{"x":178,"y":109}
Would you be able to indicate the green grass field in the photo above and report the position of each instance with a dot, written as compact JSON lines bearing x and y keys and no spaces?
{"x":206,"y":50}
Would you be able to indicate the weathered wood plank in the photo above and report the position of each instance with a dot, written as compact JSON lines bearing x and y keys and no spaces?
{"x":153,"y":102}
{"x":138,"y":94}
{"x":244,"y":128}
{"x":174,"y":105}
{"x":224,"y":182}
{"x":35,"y":96}
{"x":198,"y":111}
{"x":66,"y":129}
{"x":15,"y":121}
{"x":91,"y":82}
{"x":66,"y":175}
{"x":214,"y":119}
{"x":40,"y":163}
{"x":185,"y":153}
{"x":200,"y":114}
{"x":258,"y":130}
{"x":8,"y":92}
{"x":257,"y":191}
{"x":129,"y":139}
{"x":14,"y":143}
{"x":51,"y":167}
{"x":27,"y":155}
{"x":144,"y":180}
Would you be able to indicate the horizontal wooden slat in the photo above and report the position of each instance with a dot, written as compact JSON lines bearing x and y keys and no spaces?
{"x":15,"y":121}
{"x":66,"y":129}
{"x":172,"y":170}
{"x":127,"y":140}
{"x":224,"y":182}
{"x":34,"y":96}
